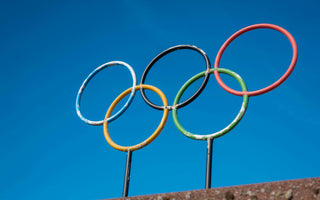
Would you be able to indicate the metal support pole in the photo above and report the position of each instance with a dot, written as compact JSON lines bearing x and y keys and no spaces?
{"x":127,"y":174}
{"x":209,"y":163}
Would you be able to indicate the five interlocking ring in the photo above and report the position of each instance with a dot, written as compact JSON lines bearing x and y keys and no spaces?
{"x":176,"y":105}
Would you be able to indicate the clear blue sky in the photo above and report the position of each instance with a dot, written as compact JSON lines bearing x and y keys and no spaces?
{"x":49,"y":47}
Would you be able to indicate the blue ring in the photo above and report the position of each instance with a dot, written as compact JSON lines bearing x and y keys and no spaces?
{"x":86,"y":81}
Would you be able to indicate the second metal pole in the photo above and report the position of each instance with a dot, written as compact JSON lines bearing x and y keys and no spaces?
{"x":209,"y":163}
{"x":127,"y":174}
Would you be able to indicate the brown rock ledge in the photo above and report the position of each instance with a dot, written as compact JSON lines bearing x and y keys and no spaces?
{"x":301,"y":189}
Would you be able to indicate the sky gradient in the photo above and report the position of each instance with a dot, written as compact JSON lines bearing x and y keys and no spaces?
{"x":48,"y":48}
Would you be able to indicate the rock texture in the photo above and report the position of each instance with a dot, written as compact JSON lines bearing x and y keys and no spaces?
{"x":302,"y":189}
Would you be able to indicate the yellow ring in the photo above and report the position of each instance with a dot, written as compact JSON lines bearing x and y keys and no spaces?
{"x":154,"y":134}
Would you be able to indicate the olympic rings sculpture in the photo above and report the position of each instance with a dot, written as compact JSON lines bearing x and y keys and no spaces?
{"x":176,"y":105}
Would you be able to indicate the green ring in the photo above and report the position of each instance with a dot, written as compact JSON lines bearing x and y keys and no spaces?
{"x":227,"y":128}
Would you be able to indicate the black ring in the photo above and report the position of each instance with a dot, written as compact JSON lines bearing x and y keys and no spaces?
{"x":195,"y":95}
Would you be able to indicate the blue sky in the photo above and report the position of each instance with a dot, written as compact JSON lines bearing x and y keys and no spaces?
{"x":49,"y":47}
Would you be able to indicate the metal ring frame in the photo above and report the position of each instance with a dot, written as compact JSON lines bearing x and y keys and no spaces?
{"x":87,"y":80}
{"x":155,"y":133}
{"x":227,"y":128}
{"x":275,"y":84}
{"x":176,"y":105}
{"x":175,"y":48}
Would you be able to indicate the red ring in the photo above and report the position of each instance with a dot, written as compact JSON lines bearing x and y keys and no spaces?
{"x":270,"y":87}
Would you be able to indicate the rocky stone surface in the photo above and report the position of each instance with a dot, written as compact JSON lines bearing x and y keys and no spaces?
{"x":302,"y":189}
